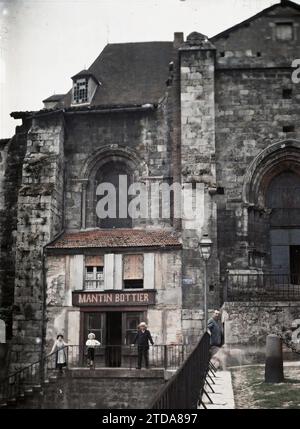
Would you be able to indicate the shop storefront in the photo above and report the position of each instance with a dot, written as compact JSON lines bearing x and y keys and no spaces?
{"x":113,"y":317}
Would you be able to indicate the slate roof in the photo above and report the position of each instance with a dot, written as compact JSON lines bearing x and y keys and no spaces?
{"x":115,"y":238}
{"x":85,"y":73}
{"x":54,"y":97}
{"x":130,"y":73}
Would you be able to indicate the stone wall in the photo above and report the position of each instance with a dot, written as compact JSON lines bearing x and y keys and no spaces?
{"x":252,"y":70}
{"x":40,"y":211}
{"x":12,"y":152}
{"x":141,"y":139}
{"x":100,"y":389}
{"x":198,"y":168}
{"x":250,"y":115}
{"x":247,"y":324}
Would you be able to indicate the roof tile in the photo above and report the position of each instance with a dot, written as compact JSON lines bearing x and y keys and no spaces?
{"x":115,"y":238}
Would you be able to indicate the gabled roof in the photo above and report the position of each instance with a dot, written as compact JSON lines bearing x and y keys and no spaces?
{"x":283,"y":3}
{"x":116,"y":238}
{"x":85,"y":73}
{"x":53,"y":98}
{"x":130,"y":73}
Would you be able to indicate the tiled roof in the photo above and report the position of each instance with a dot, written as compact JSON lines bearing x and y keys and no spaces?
{"x":115,"y":238}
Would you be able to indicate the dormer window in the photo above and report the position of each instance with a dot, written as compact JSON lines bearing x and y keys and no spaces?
{"x":80,"y":94}
{"x":84,"y":87}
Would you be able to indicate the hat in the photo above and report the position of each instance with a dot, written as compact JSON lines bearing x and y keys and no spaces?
{"x":142,"y":324}
{"x":91,"y":336}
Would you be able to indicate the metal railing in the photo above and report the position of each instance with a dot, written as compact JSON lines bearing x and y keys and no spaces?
{"x":16,"y":385}
{"x":185,"y":389}
{"x":262,"y":287}
{"x":24,"y":380}
{"x":160,"y":356}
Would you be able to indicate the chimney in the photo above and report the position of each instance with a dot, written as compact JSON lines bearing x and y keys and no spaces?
{"x":178,"y":40}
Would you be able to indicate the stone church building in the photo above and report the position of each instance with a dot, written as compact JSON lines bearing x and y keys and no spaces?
{"x":220,"y":115}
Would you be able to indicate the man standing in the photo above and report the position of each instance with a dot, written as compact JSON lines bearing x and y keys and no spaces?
{"x":142,"y":339}
{"x":216,"y":332}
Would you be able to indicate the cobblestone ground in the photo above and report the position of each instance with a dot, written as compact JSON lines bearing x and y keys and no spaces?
{"x":250,"y":390}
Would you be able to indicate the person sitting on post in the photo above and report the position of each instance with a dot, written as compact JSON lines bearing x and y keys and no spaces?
{"x":216,"y":332}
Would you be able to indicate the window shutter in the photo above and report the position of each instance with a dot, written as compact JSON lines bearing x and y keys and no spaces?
{"x":133,"y":267}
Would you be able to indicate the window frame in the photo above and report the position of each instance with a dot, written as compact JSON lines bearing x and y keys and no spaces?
{"x":282,"y":23}
{"x":76,"y":99}
{"x":99,"y":282}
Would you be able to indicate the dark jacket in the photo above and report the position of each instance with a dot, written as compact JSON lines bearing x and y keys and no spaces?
{"x":216,"y":332}
{"x":143,"y":338}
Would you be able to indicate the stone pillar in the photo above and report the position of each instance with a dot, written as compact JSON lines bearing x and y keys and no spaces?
{"x":198,"y":169}
{"x":274,"y":360}
{"x":40,"y":217}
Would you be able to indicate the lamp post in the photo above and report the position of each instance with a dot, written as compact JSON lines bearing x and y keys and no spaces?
{"x":205,"y":245}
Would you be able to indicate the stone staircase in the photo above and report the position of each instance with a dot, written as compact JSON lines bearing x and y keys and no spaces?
{"x":103,"y":388}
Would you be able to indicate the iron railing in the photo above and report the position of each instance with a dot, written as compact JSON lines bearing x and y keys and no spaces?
{"x":160,"y":356}
{"x":16,"y":385}
{"x":185,"y":389}
{"x":262,"y":287}
{"x":24,"y":380}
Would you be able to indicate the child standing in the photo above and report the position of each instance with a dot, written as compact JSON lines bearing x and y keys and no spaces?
{"x":91,"y":343}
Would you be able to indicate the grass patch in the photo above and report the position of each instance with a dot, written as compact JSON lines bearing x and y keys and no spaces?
{"x":250,"y":390}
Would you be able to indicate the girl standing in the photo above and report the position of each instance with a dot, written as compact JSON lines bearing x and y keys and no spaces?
{"x":59,"y":347}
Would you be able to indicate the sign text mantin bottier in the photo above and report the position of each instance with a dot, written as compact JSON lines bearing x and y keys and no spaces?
{"x":113,"y":298}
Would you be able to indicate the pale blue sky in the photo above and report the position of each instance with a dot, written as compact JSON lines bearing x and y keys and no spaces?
{"x":45,"y":42}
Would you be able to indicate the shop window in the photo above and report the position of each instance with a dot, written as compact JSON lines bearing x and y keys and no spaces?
{"x":94,"y":273}
{"x":94,"y":322}
{"x":284,"y":31}
{"x":132,"y":320}
{"x":133,"y":271}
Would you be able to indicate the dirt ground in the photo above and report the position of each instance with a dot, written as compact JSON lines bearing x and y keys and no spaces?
{"x":250,"y":390}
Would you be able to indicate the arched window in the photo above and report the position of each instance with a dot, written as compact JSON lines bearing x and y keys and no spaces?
{"x":112,"y":181}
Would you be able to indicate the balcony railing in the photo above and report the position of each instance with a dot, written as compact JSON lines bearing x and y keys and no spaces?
{"x":262,"y":287}
{"x":160,"y":356}
{"x":94,"y":284}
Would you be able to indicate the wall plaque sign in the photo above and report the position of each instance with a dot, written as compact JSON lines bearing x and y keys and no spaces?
{"x":114,"y":298}
{"x":187,"y":281}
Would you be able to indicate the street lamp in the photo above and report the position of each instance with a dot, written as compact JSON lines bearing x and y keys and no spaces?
{"x":205,"y":245}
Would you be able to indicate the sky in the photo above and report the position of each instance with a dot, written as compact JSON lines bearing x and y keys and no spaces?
{"x":45,"y":42}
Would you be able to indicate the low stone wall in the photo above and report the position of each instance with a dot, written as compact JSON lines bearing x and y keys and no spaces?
{"x":107,"y":388}
{"x":246,"y":326}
